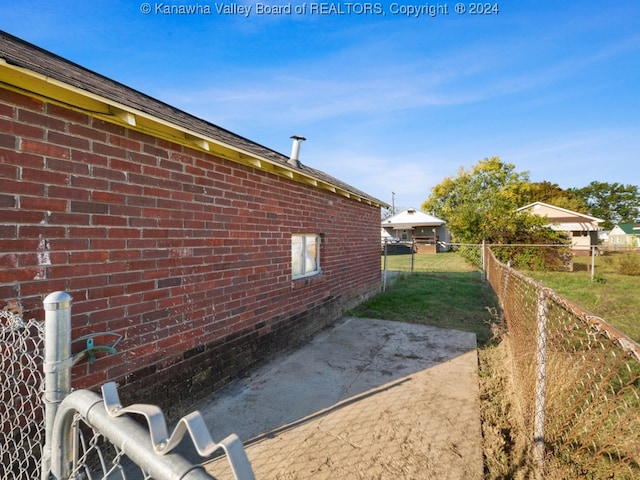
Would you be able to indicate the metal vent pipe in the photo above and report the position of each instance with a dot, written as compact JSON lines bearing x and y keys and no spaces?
{"x":295,"y":150}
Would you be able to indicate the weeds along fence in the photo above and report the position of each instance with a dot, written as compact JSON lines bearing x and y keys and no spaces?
{"x":578,"y":380}
{"x":51,"y":432}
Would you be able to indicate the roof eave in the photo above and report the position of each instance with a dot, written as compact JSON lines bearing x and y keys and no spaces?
{"x":576,"y":227}
{"x":24,"y":80}
{"x":411,"y":225}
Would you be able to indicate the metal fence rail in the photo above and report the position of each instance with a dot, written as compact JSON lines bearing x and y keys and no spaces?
{"x":578,"y":381}
{"x":21,"y":409}
{"x":88,"y":442}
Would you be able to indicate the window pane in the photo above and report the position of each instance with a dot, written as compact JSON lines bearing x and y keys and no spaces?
{"x":305,"y":255}
{"x":311,"y":254}
{"x":296,"y":255}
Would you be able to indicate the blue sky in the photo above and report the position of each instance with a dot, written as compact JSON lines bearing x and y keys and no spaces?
{"x":387,"y":102}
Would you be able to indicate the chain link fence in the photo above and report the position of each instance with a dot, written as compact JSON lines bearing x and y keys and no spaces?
{"x":49,"y":431}
{"x":21,"y":409}
{"x":578,"y":381}
{"x":406,"y":257}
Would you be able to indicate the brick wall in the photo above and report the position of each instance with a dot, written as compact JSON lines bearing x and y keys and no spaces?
{"x":184,"y":254}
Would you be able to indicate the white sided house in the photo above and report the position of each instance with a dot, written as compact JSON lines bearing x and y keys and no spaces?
{"x":428,"y":232}
{"x":581,"y":229}
{"x":624,"y":236}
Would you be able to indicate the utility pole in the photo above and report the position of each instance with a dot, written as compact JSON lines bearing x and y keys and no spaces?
{"x":393,"y":203}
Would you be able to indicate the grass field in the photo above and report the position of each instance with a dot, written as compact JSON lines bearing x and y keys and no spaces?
{"x":426,"y":262}
{"x":612,"y":296}
{"x":444,"y":291}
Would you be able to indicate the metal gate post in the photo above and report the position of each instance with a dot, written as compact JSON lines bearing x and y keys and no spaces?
{"x":384,"y":268}
{"x":413,"y":255}
{"x":57,"y":364}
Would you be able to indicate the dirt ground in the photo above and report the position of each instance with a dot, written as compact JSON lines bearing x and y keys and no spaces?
{"x":366,"y":399}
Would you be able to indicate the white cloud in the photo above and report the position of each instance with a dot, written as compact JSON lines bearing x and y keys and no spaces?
{"x":410,"y":178}
{"x":366,"y":79}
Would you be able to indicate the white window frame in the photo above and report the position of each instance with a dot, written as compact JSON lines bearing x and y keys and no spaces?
{"x":304,"y":261}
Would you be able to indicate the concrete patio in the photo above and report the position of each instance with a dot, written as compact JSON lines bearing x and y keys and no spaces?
{"x":364,"y":399}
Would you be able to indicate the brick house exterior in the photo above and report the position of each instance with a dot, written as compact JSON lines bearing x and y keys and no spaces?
{"x":165,"y":229}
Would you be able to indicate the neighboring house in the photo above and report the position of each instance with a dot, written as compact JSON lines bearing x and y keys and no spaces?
{"x":624,"y":235}
{"x":428,"y":232}
{"x":581,"y":229}
{"x":207,"y":252}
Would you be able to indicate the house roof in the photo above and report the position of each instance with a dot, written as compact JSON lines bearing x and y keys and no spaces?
{"x":27,"y":68}
{"x":560,"y":212}
{"x":629,"y":228}
{"x":563,"y":219}
{"x":411,"y":218}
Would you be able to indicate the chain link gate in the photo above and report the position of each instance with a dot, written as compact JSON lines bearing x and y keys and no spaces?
{"x":50,"y":432}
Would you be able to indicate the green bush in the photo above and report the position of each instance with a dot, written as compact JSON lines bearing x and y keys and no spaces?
{"x":535,"y":258}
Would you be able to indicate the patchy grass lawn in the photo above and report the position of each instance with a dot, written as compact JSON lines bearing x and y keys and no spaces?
{"x":443,"y":291}
{"x":445,"y":299}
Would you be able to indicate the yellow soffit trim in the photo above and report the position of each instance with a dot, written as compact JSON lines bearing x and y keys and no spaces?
{"x":23,"y":80}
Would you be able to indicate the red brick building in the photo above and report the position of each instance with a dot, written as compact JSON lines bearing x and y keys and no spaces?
{"x":206,"y":252}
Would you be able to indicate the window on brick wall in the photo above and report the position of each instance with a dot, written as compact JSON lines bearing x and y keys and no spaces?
{"x":305,"y":254}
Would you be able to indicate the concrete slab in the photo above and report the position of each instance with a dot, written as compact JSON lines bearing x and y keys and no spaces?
{"x":364,"y":399}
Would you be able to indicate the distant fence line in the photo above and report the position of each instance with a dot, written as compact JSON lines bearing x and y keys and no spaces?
{"x":563,"y":256}
{"x":578,"y":380}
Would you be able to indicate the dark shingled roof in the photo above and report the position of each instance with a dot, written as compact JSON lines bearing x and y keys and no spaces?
{"x":25,"y":55}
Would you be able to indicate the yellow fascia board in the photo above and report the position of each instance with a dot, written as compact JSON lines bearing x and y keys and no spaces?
{"x":23,"y":80}
{"x":125,"y":116}
{"x":49,"y":89}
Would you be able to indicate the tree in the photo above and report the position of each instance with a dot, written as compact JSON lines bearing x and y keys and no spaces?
{"x":613,"y":202}
{"x":481,"y":204}
{"x":552,"y":194}
{"x":478,"y":202}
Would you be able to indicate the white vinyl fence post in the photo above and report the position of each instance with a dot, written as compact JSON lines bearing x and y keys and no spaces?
{"x":57,"y":364}
{"x":541,"y":381}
